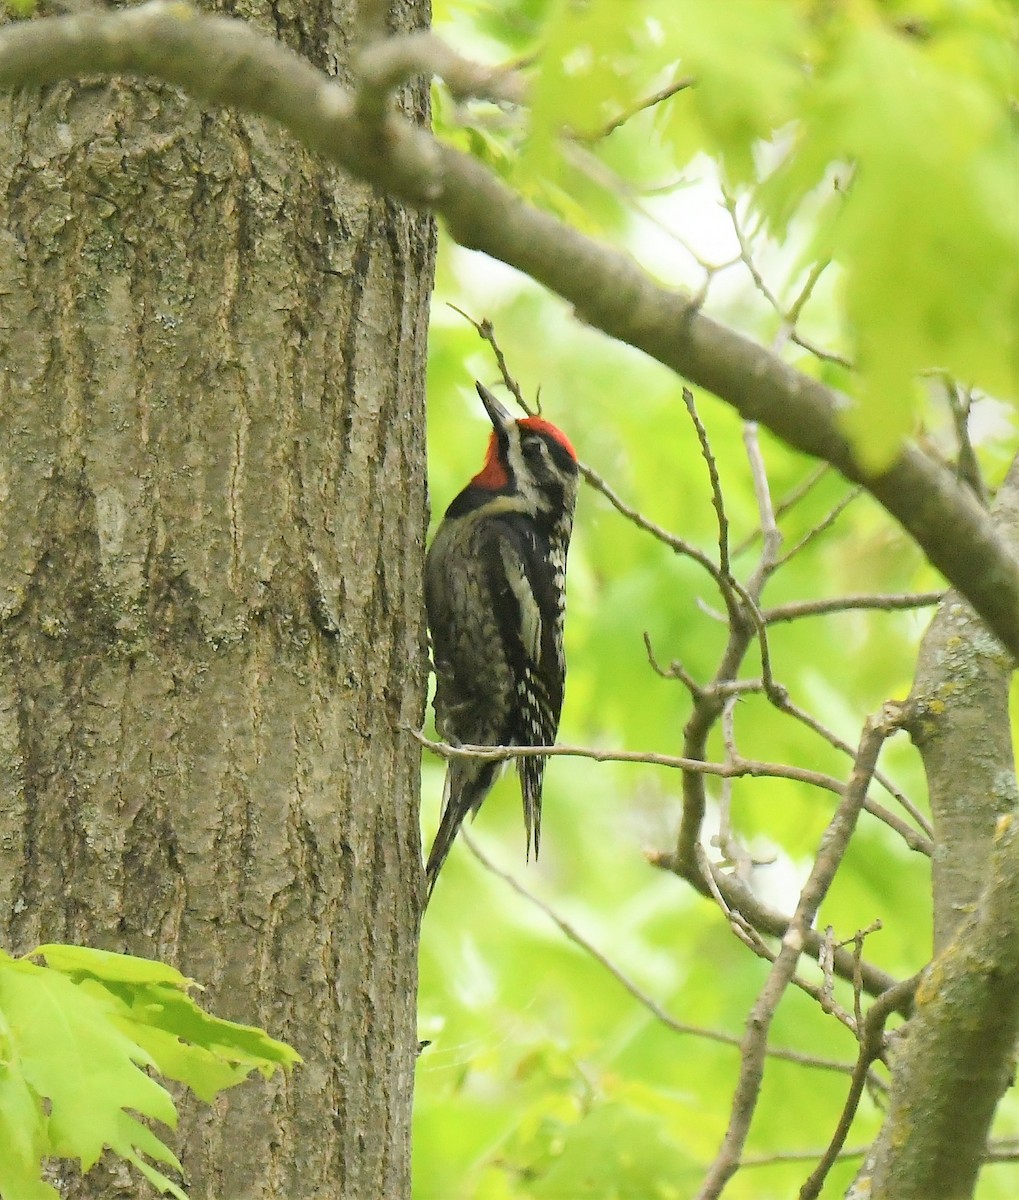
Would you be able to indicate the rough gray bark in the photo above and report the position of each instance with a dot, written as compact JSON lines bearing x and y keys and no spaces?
{"x":951,"y":1068}
{"x":959,"y":722}
{"x":212,"y":470}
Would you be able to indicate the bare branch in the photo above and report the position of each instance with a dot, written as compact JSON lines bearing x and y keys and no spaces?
{"x":737,"y":769}
{"x":782,"y":701}
{"x":676,"y":544}
{"x":486,"y":331}
{"x":642,"y":998}
{"x":792,"y":314}
{"x":740,"y":926}
{"x":872,"y":1046}
{"x":820,"y":352}
{"x":830,"y":853}
{"x":675,"y":670}
{"x":886,"y":602}
{"x":790,"y":500}
{"x":746,"y":254}
{"x":746,"y":933}
{"x":387,"y":64}
{"x":762,"y":491}
{"x":967,"y":465}
{"x":738,"y":896}
{"x":793,"y":1156}
{"x":823,"y":525}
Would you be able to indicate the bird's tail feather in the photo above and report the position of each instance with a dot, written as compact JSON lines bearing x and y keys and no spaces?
{"x":531,"y":771}
{"x":467,"y":783}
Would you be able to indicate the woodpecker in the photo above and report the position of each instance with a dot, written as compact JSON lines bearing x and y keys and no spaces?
{"x":495,"y":592}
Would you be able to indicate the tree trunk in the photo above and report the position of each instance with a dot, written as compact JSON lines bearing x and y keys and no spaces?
{"x":958,"y":1055}
{"x":213,"y":510}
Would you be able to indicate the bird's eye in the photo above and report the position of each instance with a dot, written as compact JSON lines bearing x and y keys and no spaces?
{"x":534,"y":450}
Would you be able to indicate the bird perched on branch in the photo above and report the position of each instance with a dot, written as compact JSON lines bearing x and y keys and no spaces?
{"x":495,"y":579}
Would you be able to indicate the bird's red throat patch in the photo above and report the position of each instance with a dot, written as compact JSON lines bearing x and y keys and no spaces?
{"x":493,"y":475}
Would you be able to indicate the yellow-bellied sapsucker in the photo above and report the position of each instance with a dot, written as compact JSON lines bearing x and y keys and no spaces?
{"x":495,"y":579}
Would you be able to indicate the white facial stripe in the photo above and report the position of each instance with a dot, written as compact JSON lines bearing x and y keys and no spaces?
{"x":524,"y":472}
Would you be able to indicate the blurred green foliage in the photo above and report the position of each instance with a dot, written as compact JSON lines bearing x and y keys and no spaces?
{"x":889,"y":125}
{"x":545,"y":1077}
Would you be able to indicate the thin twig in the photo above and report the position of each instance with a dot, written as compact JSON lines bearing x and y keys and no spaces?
{"x":740,"y":926}
{"x":732,"y":850}
{"x":385,"y":63}
{"x":737,"y":769}
{"x":967,"y":467}
{"x":766,"y":511}
{"x":822,"y":526}
{"x":795,"y":1156}
{"x":486,"y":331}
{"x":717,"y":499}
{"x":737,"y":895}
{"x":826,"y":961}
{"x":857,"y":942}
{"x":833,"y":846}
{"x":600,"y":173}
{"x":999,"y":1152}
{"x":784,"y":703}
{"x":790,"y":316}
{"x":887,"y":602}
{"x":676,"y":544}
{"x":871,"y":1047}
{"x":665,"y":93}
{"x":788,"y":501}
{"x":638,"y":993}
{"x":812,"y":348}
{"x":675,"y":670}
{"x":749,"y":936}
{"x":793,"y":312}
{"x":746,"y":254}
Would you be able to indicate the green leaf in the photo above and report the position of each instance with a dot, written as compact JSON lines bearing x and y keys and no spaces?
{"x":105,"y":965}
{"x":72,"y":1054}
{"x":746,"y":61}
{"x":154,"y":1002}
{"x":926,"y":228}
{"x":595,"y":62}
{"x":173,"y":1012}
{"x":74,"y":1037}
{"x":23,"y":1133}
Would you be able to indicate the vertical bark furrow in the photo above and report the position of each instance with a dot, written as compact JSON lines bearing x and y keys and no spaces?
{"x":212,"y":457}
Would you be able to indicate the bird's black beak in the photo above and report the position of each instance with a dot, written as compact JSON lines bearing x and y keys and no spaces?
{"x":498,"y":415}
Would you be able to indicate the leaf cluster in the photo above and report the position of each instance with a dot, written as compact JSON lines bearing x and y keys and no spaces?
{"x":891,"y":126}
{"x":81,"y":1036}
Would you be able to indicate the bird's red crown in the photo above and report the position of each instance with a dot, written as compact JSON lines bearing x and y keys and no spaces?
{"x":540,"y":425}
{"x":494,"y":475}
